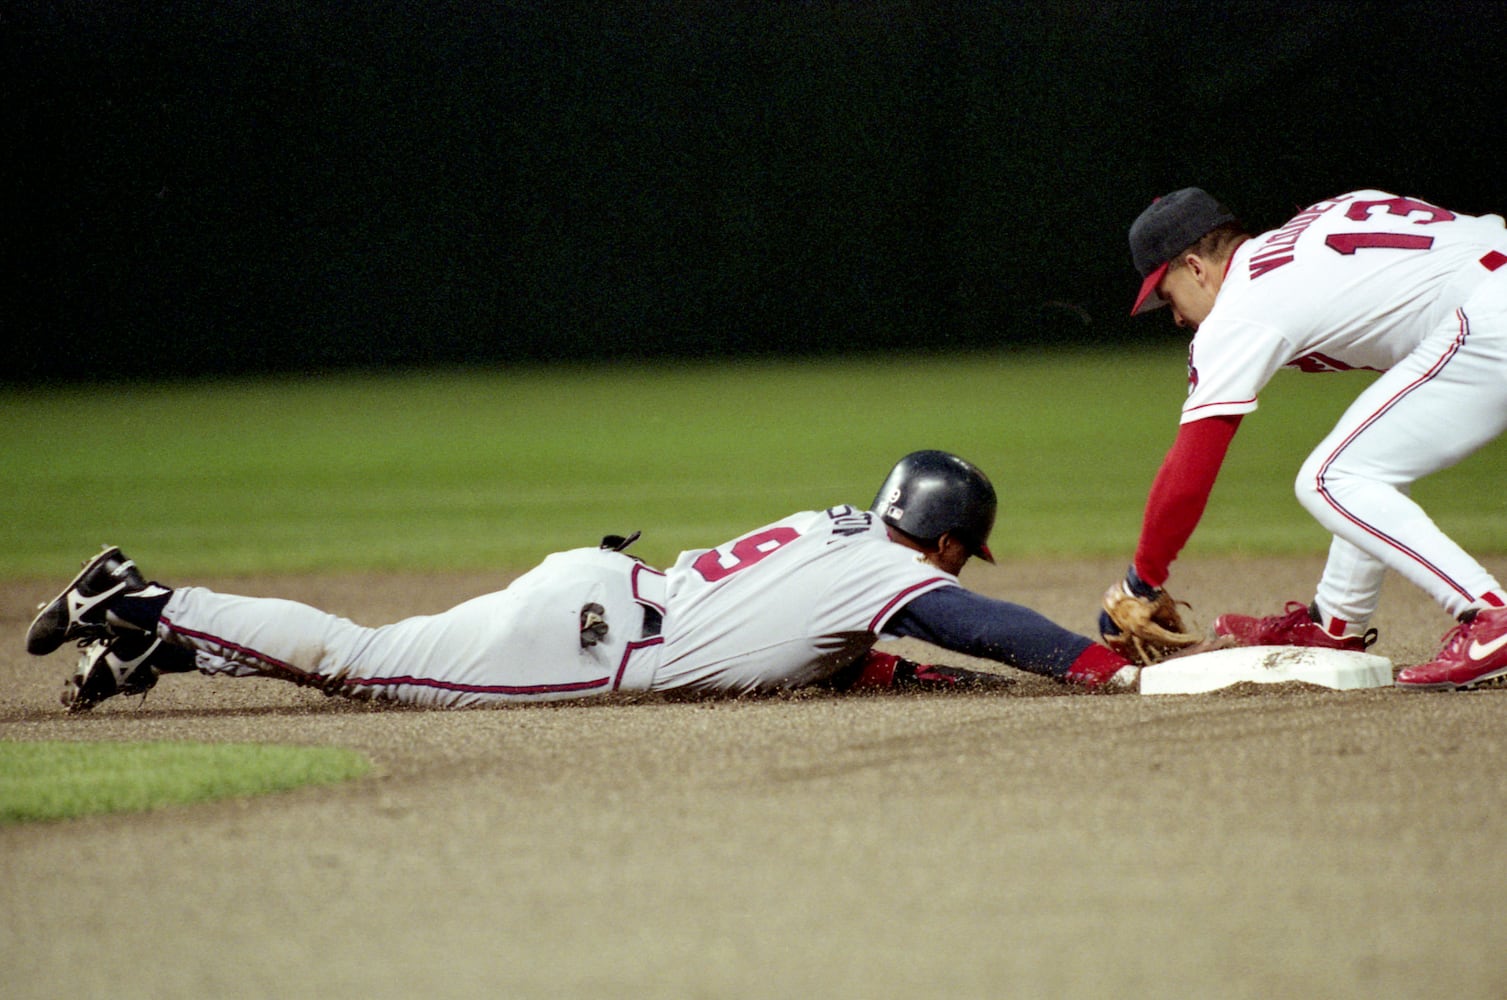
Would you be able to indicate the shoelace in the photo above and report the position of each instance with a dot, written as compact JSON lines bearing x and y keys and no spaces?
{"x":1299,"y":614}
{"x":1297,"y":609}
{"x":1455,"y":638}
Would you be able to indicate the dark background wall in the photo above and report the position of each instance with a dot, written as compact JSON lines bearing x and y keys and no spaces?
{"x":240,"y":186}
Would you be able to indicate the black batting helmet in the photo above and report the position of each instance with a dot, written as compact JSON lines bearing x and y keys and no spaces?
{"x":929,"y":493}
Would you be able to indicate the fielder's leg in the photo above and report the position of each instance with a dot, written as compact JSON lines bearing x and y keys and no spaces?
{"x":1433,"y":409}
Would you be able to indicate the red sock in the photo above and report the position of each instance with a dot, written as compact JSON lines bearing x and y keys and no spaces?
{"x":1094,"y":666}
{"x":877,"y":670}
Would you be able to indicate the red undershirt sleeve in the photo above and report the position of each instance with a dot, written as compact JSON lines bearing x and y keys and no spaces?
{"x":1180,"y":492}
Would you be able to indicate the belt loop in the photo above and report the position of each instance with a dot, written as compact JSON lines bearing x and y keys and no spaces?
{"x":640,"y":662}
{"x":649,"y":586}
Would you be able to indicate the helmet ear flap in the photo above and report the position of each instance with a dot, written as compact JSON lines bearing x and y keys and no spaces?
{"x":930,"y":493}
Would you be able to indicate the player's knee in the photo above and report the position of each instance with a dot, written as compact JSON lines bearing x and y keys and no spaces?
{"x":1334,"y":495}
{"x":1311,"y":486}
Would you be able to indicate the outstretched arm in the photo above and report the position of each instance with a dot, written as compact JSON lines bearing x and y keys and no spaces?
{"x":960,"y":620}
{"x":1180,"y":492}
{"x":1139,"y":620}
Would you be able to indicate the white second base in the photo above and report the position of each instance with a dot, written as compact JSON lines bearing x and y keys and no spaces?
{"x":1331,"y":668}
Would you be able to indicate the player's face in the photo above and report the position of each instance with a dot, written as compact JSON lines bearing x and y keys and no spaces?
{"x":1190,"y":290}
{"x":950,"y":555}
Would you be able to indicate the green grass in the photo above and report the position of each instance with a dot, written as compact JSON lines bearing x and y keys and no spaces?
{"x":472,"y":469}
{"x":460,"y":470}
{"x":48,"y":781}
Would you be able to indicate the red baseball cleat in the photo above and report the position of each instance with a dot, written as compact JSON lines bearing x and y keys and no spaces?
{"x":1475,"y":651}
{"x":1296,"y":628}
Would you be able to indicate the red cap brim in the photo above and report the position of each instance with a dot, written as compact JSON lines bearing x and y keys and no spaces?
{"x":1148,"y":299}
{"x":984,"y":553}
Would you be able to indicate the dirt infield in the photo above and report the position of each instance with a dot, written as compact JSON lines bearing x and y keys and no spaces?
{"x":1281,"y":842}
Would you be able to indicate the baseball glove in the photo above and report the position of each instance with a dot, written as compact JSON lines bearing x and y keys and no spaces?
{"x":1143,"y":624}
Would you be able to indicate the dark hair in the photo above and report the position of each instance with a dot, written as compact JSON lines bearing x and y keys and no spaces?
{"x":1216,"y":244}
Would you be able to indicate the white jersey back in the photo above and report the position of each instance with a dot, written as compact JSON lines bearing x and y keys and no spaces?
{"x":1353,"y":282}
{"x":787,"y":604}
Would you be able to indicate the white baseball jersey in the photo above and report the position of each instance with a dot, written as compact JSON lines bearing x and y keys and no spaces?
{"x":781,"y":607}
{"x":787,"y":604}
{"x":1357,"y":281}
{"x":1371,"y":280}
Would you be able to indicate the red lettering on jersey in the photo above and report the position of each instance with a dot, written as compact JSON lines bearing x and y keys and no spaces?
{"x":1348,"y":243}
{"x":1360,"y":211}
{"x":1276,"y":251}
{"x":1262,"y":265}
{"x":1317,"y":362}
{"x":745,"y":552}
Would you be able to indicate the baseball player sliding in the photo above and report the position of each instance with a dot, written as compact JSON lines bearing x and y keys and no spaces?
{"x":1366,"y":280}
{"x":795,"y":603}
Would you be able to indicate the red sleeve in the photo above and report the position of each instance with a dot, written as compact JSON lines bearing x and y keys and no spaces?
{"x":1180,"y":492}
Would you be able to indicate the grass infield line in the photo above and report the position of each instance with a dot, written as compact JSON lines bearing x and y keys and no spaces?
{"x":55,"y":780}
{"x":480,"y":469}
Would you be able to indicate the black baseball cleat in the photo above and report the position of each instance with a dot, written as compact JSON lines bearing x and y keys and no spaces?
{"x":126,"y":665}
{"x":79,"y":611}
